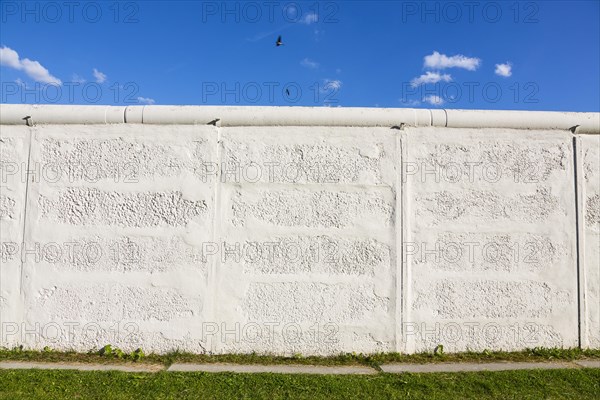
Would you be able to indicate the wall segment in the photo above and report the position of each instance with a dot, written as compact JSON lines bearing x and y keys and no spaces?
{"x":312,"y":231}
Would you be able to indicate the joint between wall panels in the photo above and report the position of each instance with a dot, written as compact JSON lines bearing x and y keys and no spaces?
{"x":401,"y":288}
{"x":216,"y":238}
{"x":22,"y":264}
{"x":398,"y":247}
{"x":579,"y":188}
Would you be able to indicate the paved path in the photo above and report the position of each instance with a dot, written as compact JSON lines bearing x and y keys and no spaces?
{"x":473,"y":367}
{"x":306,"y":369}
{"x":278,"y":369}
{"x":81,"y":366}
{"x":588,"y":363}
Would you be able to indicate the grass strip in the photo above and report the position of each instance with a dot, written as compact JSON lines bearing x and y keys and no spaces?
{"x":535,"y":384}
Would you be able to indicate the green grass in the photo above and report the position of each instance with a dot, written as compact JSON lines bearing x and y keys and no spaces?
{"x":538,"y":384}
{"x":373,"y":360}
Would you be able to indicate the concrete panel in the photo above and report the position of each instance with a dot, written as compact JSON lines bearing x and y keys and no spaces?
{"x":590,"y":193}
{"x":117,"y":216}
{"x":14,"y":156}
{"x":314,"y":238}
{"x":491,"y":246}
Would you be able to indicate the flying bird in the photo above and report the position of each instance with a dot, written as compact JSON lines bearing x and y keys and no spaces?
{"x":287,"y":91}
{"x":278,"y":42}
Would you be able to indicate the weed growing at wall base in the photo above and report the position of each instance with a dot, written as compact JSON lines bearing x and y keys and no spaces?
{"x":534,"y":354}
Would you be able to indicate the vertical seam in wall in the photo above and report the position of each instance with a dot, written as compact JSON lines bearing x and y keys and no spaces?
{"x":398,"y":245}
{"x":406,"y":278}
{"x":579,"y":237}
{"x":401,"y":232}
{"x":22,"y":274}
{"x":216,"y":238}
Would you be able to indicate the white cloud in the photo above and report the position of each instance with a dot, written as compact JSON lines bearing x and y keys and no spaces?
{"x":20,"y":82}
{"x":433,"y":100}
{"x":330,"y":84}
{"x":317,"y":34}
{"x":504,"y":70}
{"x":37,"y":72}
{"x":145,"y":100}
{"x":410,"y":102}
{"x":430,"y":77}
{"x":310,"y":18}
{"x":10,"y":58}
{"x":99,"y":76}
{"x":308,"y":63}
{"x":442,"y":61}
{"x":77,"y":79}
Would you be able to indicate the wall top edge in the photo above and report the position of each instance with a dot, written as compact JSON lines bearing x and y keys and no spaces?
{"x":228,"y":116}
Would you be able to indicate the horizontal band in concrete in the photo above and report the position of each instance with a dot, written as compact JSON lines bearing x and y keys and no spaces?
{"x":471,"y":367}
{"x":24,"y":114}
{"x":275,"y":369}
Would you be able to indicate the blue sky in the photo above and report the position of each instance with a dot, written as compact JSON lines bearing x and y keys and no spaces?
{"x":542,"y":55}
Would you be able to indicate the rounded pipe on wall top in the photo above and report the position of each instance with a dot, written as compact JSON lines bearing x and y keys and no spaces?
{"x":285,"y":116}
{"x":15,"y":114}
{"x":24,"y":114}
{"x":576,"y":122}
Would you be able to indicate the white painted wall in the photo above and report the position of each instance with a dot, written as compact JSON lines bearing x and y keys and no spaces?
{"x":284,"y":239}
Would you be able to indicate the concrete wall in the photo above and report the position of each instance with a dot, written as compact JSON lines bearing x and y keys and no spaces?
{"x":287,"y":239}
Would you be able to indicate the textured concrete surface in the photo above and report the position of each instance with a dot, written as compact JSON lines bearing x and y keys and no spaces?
{"x":112,"y":250}
{"x":276,"y":369}
{"x":14,"y":153}
{"x":288,"y":239}
{"x":327,"y":196}
{"x":491,"y":254}
{"x":589,"y":179}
